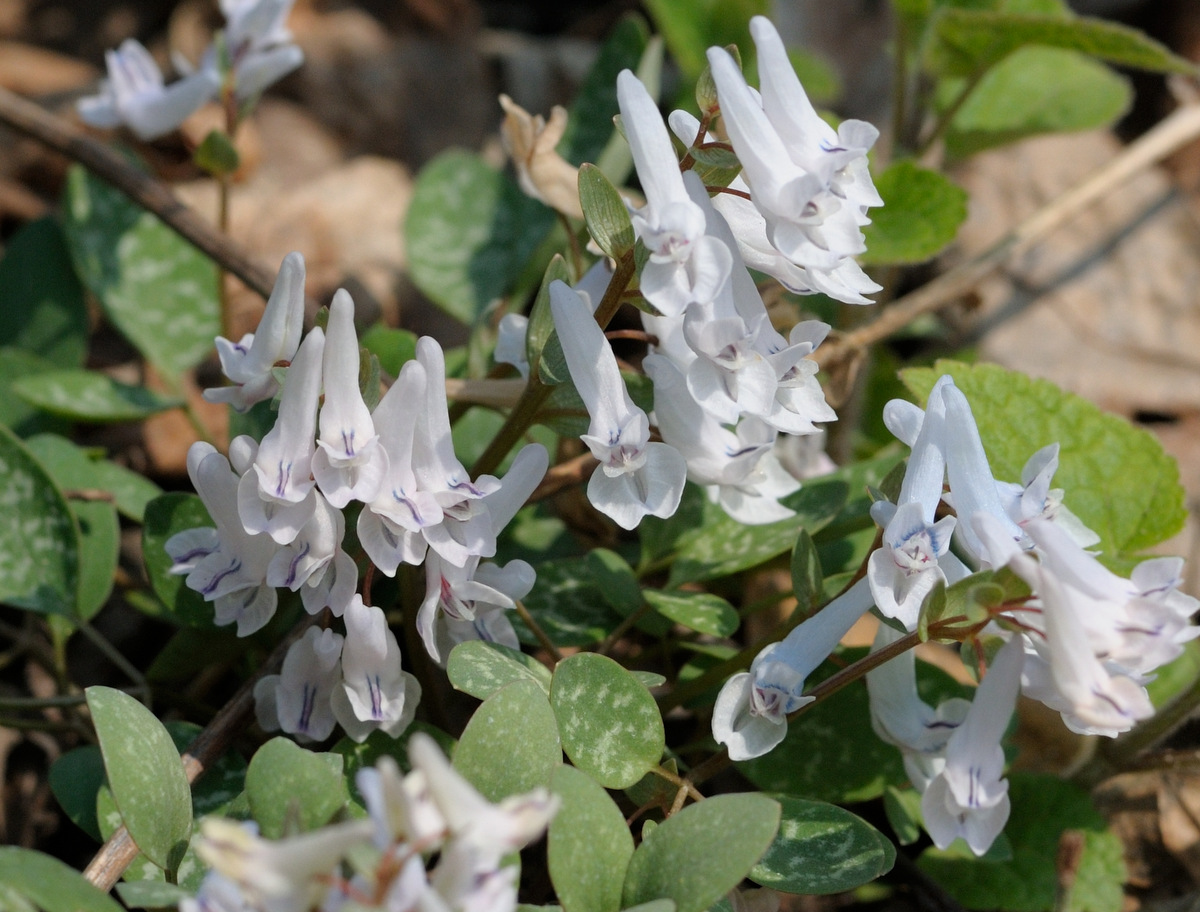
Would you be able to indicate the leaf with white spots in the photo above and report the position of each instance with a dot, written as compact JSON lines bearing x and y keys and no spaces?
{"x":699,"y":611}
{"x":82,"y":395}
{"x":156,"y":288}
{"x":39,"y":543}
{"x":481,"y":668}
{"x":285,"y":782}
{"x":145,"y":774}
{"x":511,"y":744}
{"x":610,"y":725}
{"x":589,"y":844}
{"x":822,"y":848}
{"x":698,"y":855}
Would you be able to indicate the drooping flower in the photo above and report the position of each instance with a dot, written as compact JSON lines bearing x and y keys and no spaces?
{"x":249,"y":363}
{"x":543,"y":174}
{"x":314,"y":563}
{"x":686,"y":265}
{"x":276,"y":496}
{"x":349,"y":463}
{"x":636,"y":477}
{"x":375,"y":692}
{"x":259,"y":47}
{"x":135,"y":94}
{"x":750,"y":715}
{"x":969,"y":797}
{"x":298,"y":699}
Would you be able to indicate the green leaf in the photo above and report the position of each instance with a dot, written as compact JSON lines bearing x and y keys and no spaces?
{"x":90,"y":396}
{"x":39,"y":543}
{"x":73,"y":467}
{"x":1037,"y":90}
{"x":690,"y":27}
{"x":145,"y":774}
{"x":615,"y":579}
{"x":165,"y":516}
{"x":605,"y":213}
{"x":156,"y":288}
{"x":99,"y":549}
{"x":822,"y":848}
{"x":699,"y":611}
{"x":51,"y":885}
{"x":540,"y":333}
{"x":481,"y":668}
{"x":590,"y":124}
{"x":511,"y":744}
{"x":698,"y":855}
{"x":75,"y":777}
{"x":568,"y":605}
{"x":920,"y":215}
{"x":971,"y":40}
{"x":216,"y":154}
{"x":722,"y":545}
{"x":151,"y":894}
{"x":41,"y":301}
{"x":589,"y":845}
{"x":611,"y":727}
{"x":807,"y":579}
{"x":1117,"y":478}
{"x":393,"y":347}
{"x":1042,"y":808}
{"x":903,"y":809}
{"x":469,"y":231}
{"x":287,"y":784}
{"x":15,"y":412}
{"x":826,"y":757}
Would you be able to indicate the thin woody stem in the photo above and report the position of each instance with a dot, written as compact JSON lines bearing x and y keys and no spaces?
{"x":1181,"y":128}
{"x":31,"y":120}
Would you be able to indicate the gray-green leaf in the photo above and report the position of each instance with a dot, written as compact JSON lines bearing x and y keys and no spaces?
{"x":481,"y":668}
{"x":698,"y":855}
{"x":51,"y":885}
{"x":611,"y":727}
{"x":699,"y":611}
{"x":589,"y":845}
{"x":822,"y":848}
{"x":82,"y":395}
{"x":158,"y":290}
{"x":287,"y":784}
{"x":511,"y":744}
{"x":41,"y":301}
{"x":145,"y":774}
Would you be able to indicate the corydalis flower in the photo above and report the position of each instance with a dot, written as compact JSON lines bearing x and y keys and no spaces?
{"x":297,"y":699}
{"x":375,"y":692}
{"x":636,"y":477}
{"x":685,"y":264}
{"x":349,"y":463}
{"x":750,"y":715}
{"x":249,"y":363}
{"x":543,"y":174}
{"x":135,"y":94}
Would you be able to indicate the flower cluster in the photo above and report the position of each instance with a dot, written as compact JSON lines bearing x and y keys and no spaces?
{"x":1084,"y":643}
{"x":430,"y":812}
{"x":726,"y":382}
{"x":254,"y":50}
{"x":278,"y":507}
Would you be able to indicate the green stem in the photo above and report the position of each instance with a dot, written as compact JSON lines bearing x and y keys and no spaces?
{"x":622,"y":628}
{"x":536,"y":628}
{"x":947,"y":116}
{"x":521,"y":418}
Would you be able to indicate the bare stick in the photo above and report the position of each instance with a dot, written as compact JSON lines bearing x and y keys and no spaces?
{"x":63,"y":136}
{"x":1181,"y":128}
{"x":119,"y":852}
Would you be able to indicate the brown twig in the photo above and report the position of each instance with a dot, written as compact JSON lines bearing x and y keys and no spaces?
{"x":119,"y":852}
{"x":63,"y":136}
{"x":1177,"y":130}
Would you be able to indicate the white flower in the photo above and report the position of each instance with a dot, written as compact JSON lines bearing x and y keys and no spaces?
{"x":298,"y":699}
{"x":226,"y":565}
{"x":636,"y":477}
{"x":276,"y":496}
{"x":258,"y":43}
{"x":685,"y":264}
{"x":349,"y":463}
{"x":390,"y":526}
{"x":738,"y":467}
{"x":915,"y":553}
{"x":135,"y":95}
{"x":249,"y":363}
{"x":471,"y":602}
{"x":510,"y":342}
{"x":374,"y":692}
{"x":900,"y":717}
{"x":1034,"y":498}
{"x":750,"y":715}
{"x":314,"y":564}
{"x":969,"y":797}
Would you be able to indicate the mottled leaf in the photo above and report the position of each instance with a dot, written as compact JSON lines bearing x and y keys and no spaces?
{"x":589,"y":845}
{"x":511,"y":744}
